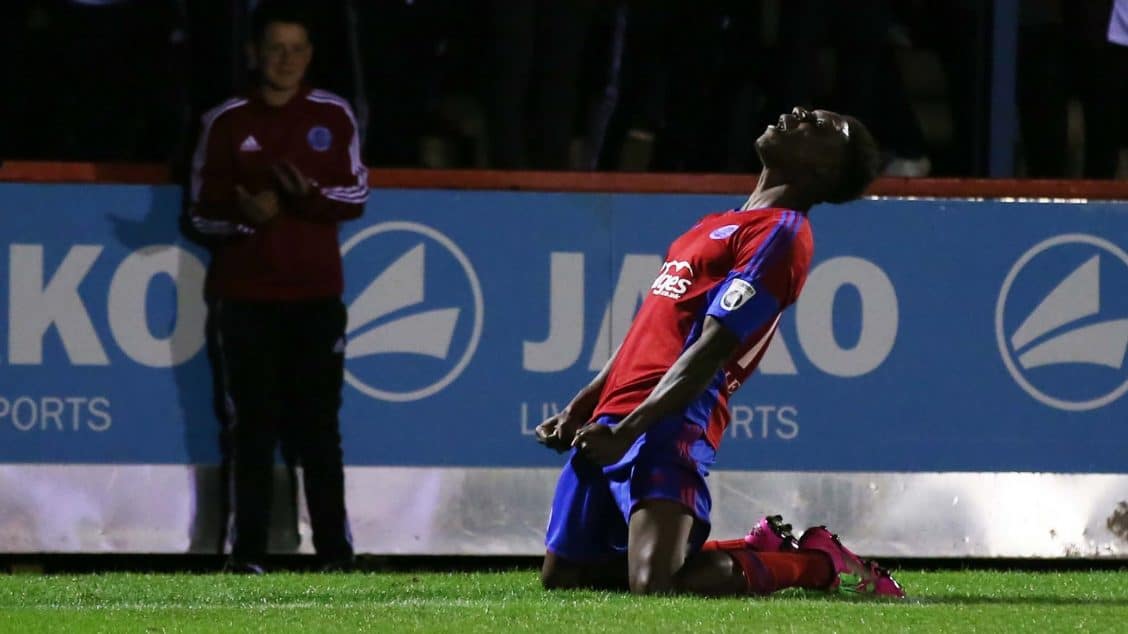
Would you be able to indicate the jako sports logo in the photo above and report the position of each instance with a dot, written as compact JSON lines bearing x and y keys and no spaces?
{"x":1062,"y":332}
{"x":413,"y":327}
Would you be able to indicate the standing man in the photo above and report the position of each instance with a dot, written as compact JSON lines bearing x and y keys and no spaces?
{"x":275,"y":171}
{"x":631,"y":507}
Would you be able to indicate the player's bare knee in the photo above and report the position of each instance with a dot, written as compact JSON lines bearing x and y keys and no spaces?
{"x":558,"y":575}
{"x":652,"y":569}
{"x":647,"y":579}
{"x":559,"y":580}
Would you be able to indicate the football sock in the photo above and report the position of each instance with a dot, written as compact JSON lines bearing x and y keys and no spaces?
{"x":768,"y":572}
{"x":725,"y":544}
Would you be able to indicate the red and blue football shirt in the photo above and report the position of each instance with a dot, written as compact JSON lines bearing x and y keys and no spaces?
{"x":741,"y":267}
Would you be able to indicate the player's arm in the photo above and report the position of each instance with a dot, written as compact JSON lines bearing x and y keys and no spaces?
{"x":214,"y":201}
{"x":684,"y":382}
{"x":746,"y":302}
{"x":557,"y":431}
{"x":343,"y":194}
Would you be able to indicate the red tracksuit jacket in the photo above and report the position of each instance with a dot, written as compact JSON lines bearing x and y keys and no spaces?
{"x":295,"y":256}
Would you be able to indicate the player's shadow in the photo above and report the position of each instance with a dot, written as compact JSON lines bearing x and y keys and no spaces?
{"x":1031,"y":600}
{"x":200,"y":403}
{"x":160,"y":230}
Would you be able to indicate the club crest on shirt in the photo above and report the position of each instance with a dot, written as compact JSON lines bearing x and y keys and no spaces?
{"x":319,"y":138}
{"x":720,"y":233}
{"x":738,"y":293}
{"x":250,"y":144}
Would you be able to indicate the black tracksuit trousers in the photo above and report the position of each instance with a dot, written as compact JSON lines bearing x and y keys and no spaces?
{"x":282,"y":365}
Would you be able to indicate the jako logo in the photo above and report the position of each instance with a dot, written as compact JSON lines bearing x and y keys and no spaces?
{"x":427,"y":299}
{"x":1052,"y":330}
{"x":670,"y":282}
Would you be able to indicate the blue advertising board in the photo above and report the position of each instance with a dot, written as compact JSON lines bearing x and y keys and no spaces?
{"x":932,"y":335}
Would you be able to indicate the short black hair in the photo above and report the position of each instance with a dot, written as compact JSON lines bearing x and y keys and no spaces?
{"x":861,"y":162}
{"x":287,"y":11}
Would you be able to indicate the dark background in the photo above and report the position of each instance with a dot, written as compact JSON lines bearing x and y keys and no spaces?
{"x":633,"y":85}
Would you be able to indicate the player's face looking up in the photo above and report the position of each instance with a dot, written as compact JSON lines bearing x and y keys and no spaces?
{"x":807,"y":144}
{"x":282,"y":55}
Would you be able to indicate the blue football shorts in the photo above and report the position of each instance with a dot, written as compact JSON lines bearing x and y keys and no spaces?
{"x":592,"y":504}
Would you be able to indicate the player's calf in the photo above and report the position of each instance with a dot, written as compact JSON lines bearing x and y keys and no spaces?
{"x":711,"y":574}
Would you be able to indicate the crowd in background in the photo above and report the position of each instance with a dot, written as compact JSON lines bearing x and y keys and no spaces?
{"x":677,"y":85}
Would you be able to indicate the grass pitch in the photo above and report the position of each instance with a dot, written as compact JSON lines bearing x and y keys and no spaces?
{"x":512,"y":601}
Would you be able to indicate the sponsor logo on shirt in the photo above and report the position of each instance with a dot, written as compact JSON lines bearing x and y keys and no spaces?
{"x":319,"y":138}
{"x":674,"y":280}
{"x":250,"y":144}
{"x":738,"y":293}
{"x":720,"y":233}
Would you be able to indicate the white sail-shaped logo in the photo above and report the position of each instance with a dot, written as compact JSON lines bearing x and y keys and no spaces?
{"x":401,"y":285}
{"x":1066,"y":326}
{"x":1077,"y":296}
{"x":393,"y":315}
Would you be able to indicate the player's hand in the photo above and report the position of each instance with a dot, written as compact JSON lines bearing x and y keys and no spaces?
{"x":556,"y":432}
{"x":291,"y":180}
{"x":259,"y":208}
{"x":601,"y":445}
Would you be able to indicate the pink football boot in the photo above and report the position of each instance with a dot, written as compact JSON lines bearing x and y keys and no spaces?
{"x":853,"y":574}
{"x":771,"y":535}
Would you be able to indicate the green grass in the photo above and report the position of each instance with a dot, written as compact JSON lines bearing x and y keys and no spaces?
{"x":513,"y":602}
